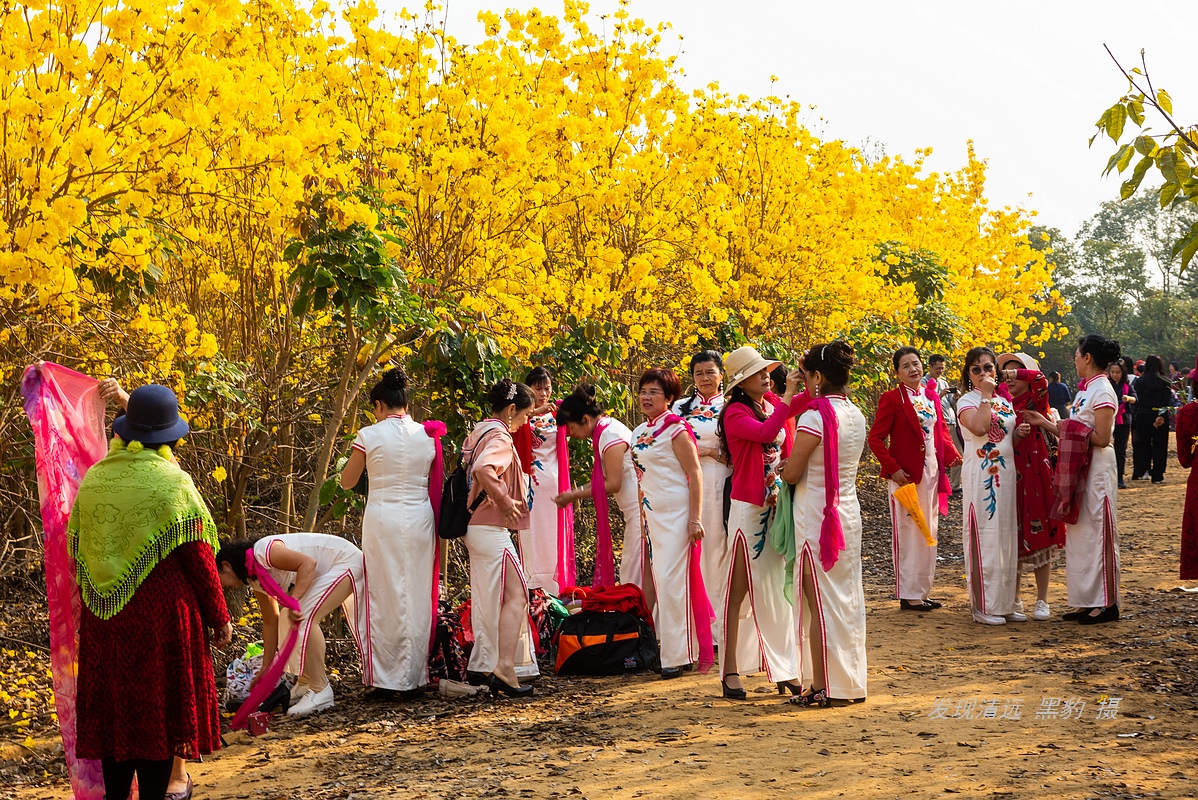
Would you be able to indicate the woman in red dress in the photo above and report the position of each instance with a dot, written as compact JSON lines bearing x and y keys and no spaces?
{"x":143,"y":542}
{"x":1039,"y":536}
{"x":1187,"y":432}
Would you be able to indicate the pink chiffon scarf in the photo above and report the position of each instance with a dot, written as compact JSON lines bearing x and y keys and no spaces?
{"x":67,"y":415}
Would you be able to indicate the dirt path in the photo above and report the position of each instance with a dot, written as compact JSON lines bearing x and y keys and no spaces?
{"x":940,"y":719}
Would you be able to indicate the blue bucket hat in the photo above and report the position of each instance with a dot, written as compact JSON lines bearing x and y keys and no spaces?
{"x":152,"y":417}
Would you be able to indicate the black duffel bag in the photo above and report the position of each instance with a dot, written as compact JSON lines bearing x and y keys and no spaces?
{"x":604,"y":643}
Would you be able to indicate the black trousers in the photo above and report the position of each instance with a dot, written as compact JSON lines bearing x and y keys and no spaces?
{"x":1150,"y":450}
{"x":152,"y":778}
{"x":1122,"y":432}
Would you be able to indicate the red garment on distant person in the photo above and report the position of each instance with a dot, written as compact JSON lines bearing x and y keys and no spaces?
{"x":149,"y":665}
{"x":1073,"y":465}
{"x":1033,"y":469}
{"x":1187,"y":432}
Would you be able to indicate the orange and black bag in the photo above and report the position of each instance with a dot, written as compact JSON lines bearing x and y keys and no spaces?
{"x":604,"y":643}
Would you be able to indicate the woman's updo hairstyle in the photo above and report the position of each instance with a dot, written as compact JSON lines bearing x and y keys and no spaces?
{"x":392,"y":390}
{"x":904,"y":351}
{"x":972,"y":357}
{"x":579,"y":403}
{"x":507,"y":392}
{"x":537,"y":376}
{"x":832,"y":360}
{"x":1103,"y":351}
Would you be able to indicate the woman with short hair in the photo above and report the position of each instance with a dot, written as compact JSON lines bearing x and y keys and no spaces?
{"x":671,"y":491}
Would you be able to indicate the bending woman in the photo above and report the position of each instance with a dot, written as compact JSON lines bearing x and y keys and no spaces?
{"x":613,"y":475}
{"x":701,"y":410}
{"x":399,"y":540}
{"x":671,"y":491}
{"x":499,"y":594}
{"x":829,"y":601}
{"x":751,"y":430}
{"x":911,"y":442}
{"x":319,"y":572}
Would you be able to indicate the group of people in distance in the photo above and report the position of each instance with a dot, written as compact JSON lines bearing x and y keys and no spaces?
{"x":741,"y":517}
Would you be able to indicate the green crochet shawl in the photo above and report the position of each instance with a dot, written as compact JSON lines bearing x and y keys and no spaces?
{"x":133,"y":508}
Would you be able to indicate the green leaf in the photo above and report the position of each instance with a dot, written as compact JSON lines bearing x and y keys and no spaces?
{"x":1131,"y":184}
{"x":1115,"y":159}
{"x":1135,"y":109}
{"x":1164,"y":100}
{"x":1166,"y":162}
{"x":1128,"y":151}
{"x":1145,"y":145}
{"x":1116,"y":119}
{"x":293,"y":249}
{"x":328,"y":489}
{"x":1168,"y":192}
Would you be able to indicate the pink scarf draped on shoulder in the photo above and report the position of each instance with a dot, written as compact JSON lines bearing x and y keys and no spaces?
{"x":831,"y":534}
{"x":67,"y":415}
{"x":567,"y":573}
{"x":701,"y":611}
{"x":605,"y":562}
{"x":944,"y":487}
{"x":436,"y":483}
{"x":271,"y":673}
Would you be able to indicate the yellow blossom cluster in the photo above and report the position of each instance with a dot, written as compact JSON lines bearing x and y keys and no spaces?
{"x":159,"y":157}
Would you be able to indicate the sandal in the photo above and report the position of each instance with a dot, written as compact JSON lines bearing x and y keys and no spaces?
{"x":817,"y":699}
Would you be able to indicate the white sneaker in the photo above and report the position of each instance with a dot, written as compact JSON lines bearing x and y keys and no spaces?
{"x":1015,"y":616}
{"x":1019,"y":606}
{"x":1041,"y":612}
{"x":313,"y":702}
{"x":988,"y":619}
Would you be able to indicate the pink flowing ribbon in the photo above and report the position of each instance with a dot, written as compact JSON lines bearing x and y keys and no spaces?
{"x":67,"y":416}
{"x":701,"y":611}
{"x":944,"y":487}
{"x":831,"y":535}
{"x":605,"y":562}
{"x":436,"y":481}
{"x":273,"y":672}
{"x":566,"y":573}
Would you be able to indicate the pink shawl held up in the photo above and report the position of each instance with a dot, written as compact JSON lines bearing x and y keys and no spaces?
{"x":701,"y":610}
{"x":67,"y":416}
{"x":944,"y":487}
{"x":436,"y":481}
{"x":567,"y":573}
{"x":272,"y":672}
{"x":831,"y":535}
{"x":605,"y":562}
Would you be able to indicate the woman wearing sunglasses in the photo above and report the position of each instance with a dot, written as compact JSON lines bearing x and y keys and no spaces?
{"x":991,"y":430}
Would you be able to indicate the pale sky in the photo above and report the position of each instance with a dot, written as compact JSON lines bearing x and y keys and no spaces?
{"x":1024,"y":79}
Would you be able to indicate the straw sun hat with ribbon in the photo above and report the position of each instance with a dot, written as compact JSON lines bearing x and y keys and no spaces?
{"x":743,"y":363}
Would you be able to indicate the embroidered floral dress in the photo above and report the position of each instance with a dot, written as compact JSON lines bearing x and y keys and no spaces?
{"x":665,"y":509}
{"x":989,"y":527}
{"x":703,"y":415}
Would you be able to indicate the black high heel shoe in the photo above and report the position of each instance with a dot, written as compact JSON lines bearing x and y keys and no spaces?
{"x":814,"y":700}
{"x":787,"y":686}
{"x":499,"y":687}
{"x":730,"y":693}
{"x":1108,"y":614}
